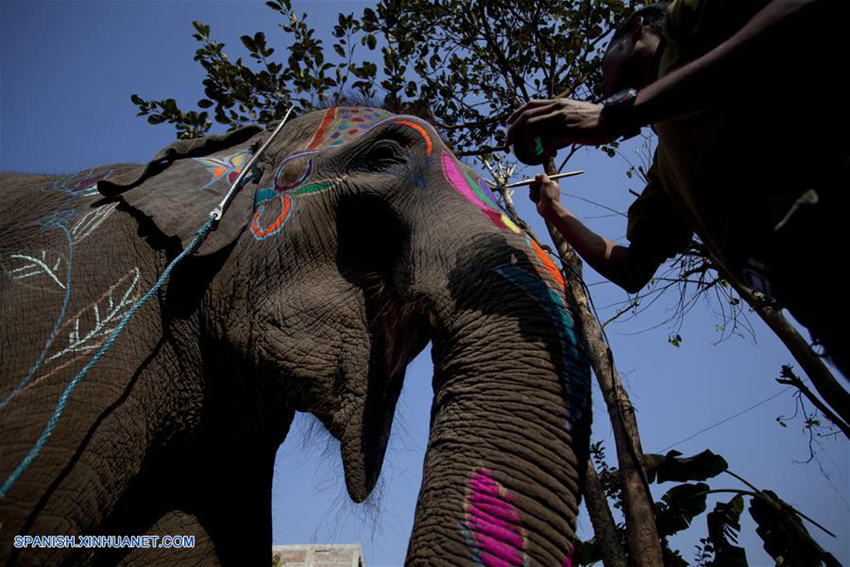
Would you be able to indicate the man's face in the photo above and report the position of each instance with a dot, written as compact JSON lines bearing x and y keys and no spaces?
{"x":619,"y":67}
{"x":630,"y":61}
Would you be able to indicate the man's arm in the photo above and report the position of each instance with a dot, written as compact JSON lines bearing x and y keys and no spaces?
{"x":692,"y":87}
{"x":619,"y":264}
{"x":695,"y":85}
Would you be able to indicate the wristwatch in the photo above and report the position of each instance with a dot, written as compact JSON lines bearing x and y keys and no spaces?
{"x":618,"y":110}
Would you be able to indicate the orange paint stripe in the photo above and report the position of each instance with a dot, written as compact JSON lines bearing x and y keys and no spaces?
{"x":279,"y":221}
{"x":323,"y":127}
{"x":421,"y":130}
{"x":548,"y":263}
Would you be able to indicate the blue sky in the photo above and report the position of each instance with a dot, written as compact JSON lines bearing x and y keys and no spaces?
{"x":67,"y":70}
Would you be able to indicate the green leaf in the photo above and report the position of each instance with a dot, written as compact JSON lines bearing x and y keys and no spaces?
{"x":723,"y":527}
{"x":679,"y":506}
{"x":203,"y":30}
{"x":249,"y":44}
{"x":784,"y":536}
{"x":672,"y":467}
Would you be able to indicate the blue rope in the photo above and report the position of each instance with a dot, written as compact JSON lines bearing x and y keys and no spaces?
{"x":55,"y":330}
{"x":63,"y":399}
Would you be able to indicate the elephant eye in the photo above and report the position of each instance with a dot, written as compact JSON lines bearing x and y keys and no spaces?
{"x":378,"y":156}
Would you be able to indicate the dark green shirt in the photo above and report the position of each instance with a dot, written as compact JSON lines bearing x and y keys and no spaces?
{"x":731,"y":172}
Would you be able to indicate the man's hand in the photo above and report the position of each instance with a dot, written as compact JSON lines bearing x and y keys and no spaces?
{"x":546,"y":194}
{"x":559,"y":123}
{"x":617,"y":263}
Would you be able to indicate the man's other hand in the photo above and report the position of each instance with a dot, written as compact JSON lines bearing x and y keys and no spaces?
{"x":559,"y":123}
{"x":544,"y":193}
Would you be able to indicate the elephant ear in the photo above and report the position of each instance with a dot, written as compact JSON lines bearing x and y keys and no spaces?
{"x":184,"y":182}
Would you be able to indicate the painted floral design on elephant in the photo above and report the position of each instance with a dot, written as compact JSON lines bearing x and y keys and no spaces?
{"x":227,"y":167}
{"x":45,"y":263}
{"x":92,"y":325}
{"x":85,"y":331}
{"x":79,"y":185}
{"x":42,"y":269}
{"x":273,"y":206}
{"x":492,"y":526}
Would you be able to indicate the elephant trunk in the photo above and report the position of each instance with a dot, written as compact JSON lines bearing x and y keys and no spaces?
{"x":510,"y":421}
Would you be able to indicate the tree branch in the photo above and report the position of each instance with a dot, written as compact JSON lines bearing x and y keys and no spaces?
{"x":604,"y":529}
{"x":788,"y":377}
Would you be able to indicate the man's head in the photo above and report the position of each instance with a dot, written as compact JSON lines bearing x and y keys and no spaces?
{"x":630,"y":59}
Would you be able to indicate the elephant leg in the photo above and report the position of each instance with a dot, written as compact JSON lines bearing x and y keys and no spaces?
{"x":175,"y":522}
{"x":223,"y":502}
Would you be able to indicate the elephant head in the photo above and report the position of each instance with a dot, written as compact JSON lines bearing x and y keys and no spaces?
{"x":358,"y":239}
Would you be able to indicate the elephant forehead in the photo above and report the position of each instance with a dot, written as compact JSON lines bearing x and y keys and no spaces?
{"x":341,"y":124}
{"x":328,"y":128}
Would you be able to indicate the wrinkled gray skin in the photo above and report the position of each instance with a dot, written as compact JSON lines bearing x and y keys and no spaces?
{"x":175,"y":430}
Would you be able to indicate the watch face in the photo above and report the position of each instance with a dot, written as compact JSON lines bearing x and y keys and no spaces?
{"x":622,"y":97}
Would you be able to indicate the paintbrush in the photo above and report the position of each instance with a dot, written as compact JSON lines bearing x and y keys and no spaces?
{"x":530,"y":181}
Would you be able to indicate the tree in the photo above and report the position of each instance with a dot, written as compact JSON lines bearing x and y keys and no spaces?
{"x":779,"y":525}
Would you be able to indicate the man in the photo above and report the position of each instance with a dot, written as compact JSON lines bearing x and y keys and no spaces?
{"x":747,"y":99}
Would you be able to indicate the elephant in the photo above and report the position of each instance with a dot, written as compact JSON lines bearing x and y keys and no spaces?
{"x":356,"y":239}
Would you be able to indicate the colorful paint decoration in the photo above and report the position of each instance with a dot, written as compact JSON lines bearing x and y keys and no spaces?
{"x":273,"y":206}
{"x":42,"y":269}
{"x":491,"y":525}
{"x":545,"y":285}
{"x":271,"y":211}
{"x":227,"y":167}
{"x":84,"y":333}
{"x":573,"y":352}
{"x":80,"y":185}
{"x":341,"y":124}
{"x":476,"y":192}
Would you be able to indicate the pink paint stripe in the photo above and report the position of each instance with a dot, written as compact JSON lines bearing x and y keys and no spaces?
{"x":496,"y":533}
{"x":496,"y":514}
{"x":492,"y":498}
{"x":492,"y":521}
{"x":458,"y":180}
{"x":498,"y":550}
{"x":483,"y":483}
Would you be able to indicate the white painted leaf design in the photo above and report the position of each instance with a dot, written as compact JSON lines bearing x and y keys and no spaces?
{"x":88,"y":329}
{"x":42,"y":269}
